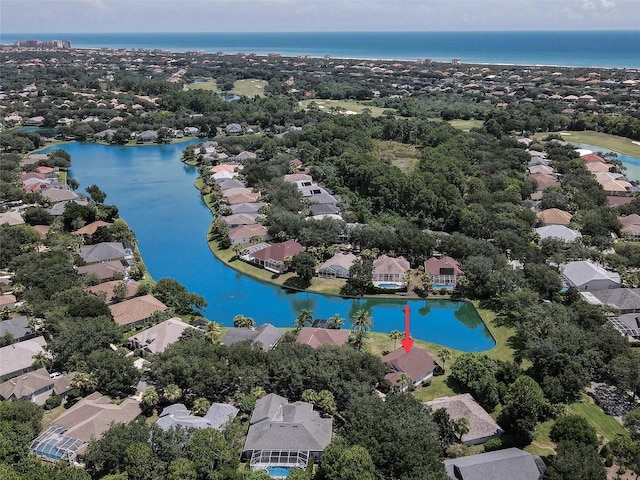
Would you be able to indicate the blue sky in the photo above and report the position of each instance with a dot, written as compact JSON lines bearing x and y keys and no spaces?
{"x":80,"y":16}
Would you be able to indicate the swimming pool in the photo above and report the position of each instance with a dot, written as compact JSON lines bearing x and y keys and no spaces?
{"x":388,"y":285}
{"x":440,"y":286}
{"x":278,"y":472}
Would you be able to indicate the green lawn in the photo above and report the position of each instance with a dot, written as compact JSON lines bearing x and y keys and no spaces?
{"x":612,"y":142}
{"x":466,"y":125}
{"x":205,"y":84}
{"x":346,"y":106}
{"x":249,"y":87}
{"x":605,"y":425}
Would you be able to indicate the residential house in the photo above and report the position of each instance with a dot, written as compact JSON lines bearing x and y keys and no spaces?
{"x":234,"y":129}
{"x":544,"y":181}
{"x":481,"y":426}
{"x":265,"y":336}
{"x":58,"y":209}
{"x":507,"y":464}
{"x":337,"y":266}
{"x":11,"y":218}
{"x":242,"y":198}
{"x":87,"y":232}
{"x":17,"y":358}
{"x":283,"y":434}
{"x":230,"y":192}
{"x":157,"y":338}
{"x":69,"y":435}
{"x":244,"y":156}
{"x":324,"y":209}
{"x":247,"y":233}
{"x":558,"y":231}
{"x":229,"y":183}
{"x":240,"y":219}
{"x":34,"y":386}
{"x":59,"y":195}
{"x":103,"y":252}
{"x":106,"y":288}
{"x":390,"y":270}
{"x":554,"y":216}
{"x":177,"y":415}
{"x":417,"y":364}
{"x":248,"y":207}
{"x":7,"y":300}
{"x":273,"y":257}
{"x":630,"y":226}
{"x":628,"y":324}
{"x":586,"y":275}
{"x":136,"y":311}
{"x":18,"y":328}
{"x":619,"y":300}
{"x":443,"y":270}
{"x":148,"y":136}
{"x":104,"y":270}
{"x":318,"y":337}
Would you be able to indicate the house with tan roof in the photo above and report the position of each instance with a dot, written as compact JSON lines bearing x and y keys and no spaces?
{"x":390,"y":270}
{"x":630,"y":225}
{"x":230,"y":192}
{"x":481,"y":426}
{"x":337,"y":266}
{"x":136,"y":311}
{"x":59,"y":194}
{"x":242,"y":198}
{"x":417,"y":364}
{"x":11,"y":218}
{"x":157,"y":338}
{"x":69,"y":435}
{"x":104,"y":270}
{"x":554,"y":216}
{"x":106,"y":288}
{"x":239,"y":219}
{"x":318,"y":337}
{"x":89,"y":230}
{"x":245,"y":234}
{"x":34,"y":386}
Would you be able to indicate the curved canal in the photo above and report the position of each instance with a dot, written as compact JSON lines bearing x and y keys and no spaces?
{"x":155,"y":194}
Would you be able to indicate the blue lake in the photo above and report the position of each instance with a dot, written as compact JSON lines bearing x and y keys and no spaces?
{"x":155,"y":194}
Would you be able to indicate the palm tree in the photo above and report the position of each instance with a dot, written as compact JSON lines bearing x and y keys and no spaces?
{"x":172,"y":393}
{"x":200,"y":406}
{"x":303,"y":319}
{"x":461,"y":426}
{"x":357,"y":338}
{"x":40,"y":360}
{"x":84,"y":381}
{"x":444,"y":354}
{"x":335,"y":321}
{"x":150,"y":398}
{"x":362,"y":321}
{"x":403,"y":380}
{"x":212,"y":331}
{"x":395,"y":335}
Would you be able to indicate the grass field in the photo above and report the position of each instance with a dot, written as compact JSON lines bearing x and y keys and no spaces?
{"x":348,"y":107}
{"x":405,"y":157}
{"x":466,"y":125}
{"x":249,"y":87}
{"x":605,"y":425}
{"x":612,"y":142}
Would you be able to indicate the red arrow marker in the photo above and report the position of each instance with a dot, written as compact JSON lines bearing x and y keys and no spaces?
{"x":407,"y":341}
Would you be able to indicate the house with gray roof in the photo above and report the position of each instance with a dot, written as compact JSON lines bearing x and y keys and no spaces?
{"x":586,"y":275}
{"x":265,"y":336}
{"x":157,"y":338}
{"x":337,"y":266}
{"x":558,"y":231}
{"x":628,"y":324}
{"x":620,"y":300}
{"x":481,"y":426}
{"x":283,"y":434}
{"x":18,"y":328}
{"x":17,"y":358}
{"x":177,"y":415}
{"x":103,"y":252}
{"x":252,"y":207}
{"x":507,"y":464}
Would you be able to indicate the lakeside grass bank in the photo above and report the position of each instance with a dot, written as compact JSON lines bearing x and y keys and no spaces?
{"x":612,"y":142}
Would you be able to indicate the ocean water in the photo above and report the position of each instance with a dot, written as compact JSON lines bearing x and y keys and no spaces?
{"x":619,"y":49}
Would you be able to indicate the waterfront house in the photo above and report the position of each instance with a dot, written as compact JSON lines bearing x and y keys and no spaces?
{"x":177,"y":415}
{"x":239,"y":219}
{"x":416,"y":364}
{"x":17,"y":358}
{"x":157,"y":338}
{"x":136,"y":311}
{"x":103,"y":252}
{"x":265,"y":336}
{"x":283,"y":434}
{"x":229,"y":183}
{"x":247,"y":207}
{"x":242,"y":198}
{"x":482,"y":427}
{"x":106,"y":288}
{"x":230,"y":192}
{"x":586,"y":275}
{"x":337,"y":266}
{"x":247,"y":233}
{"x":59,"y":194}
{"x":148,"y":136}
{"x":390,"y":270}
{"x":87,"y":232}
{"x":104,"y":270}
{"x":69,"y":435}
{"x":273,"y":256}
{"x":319,"y":337}
{"x":506,"y":464}
{"x":443,"y":270}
